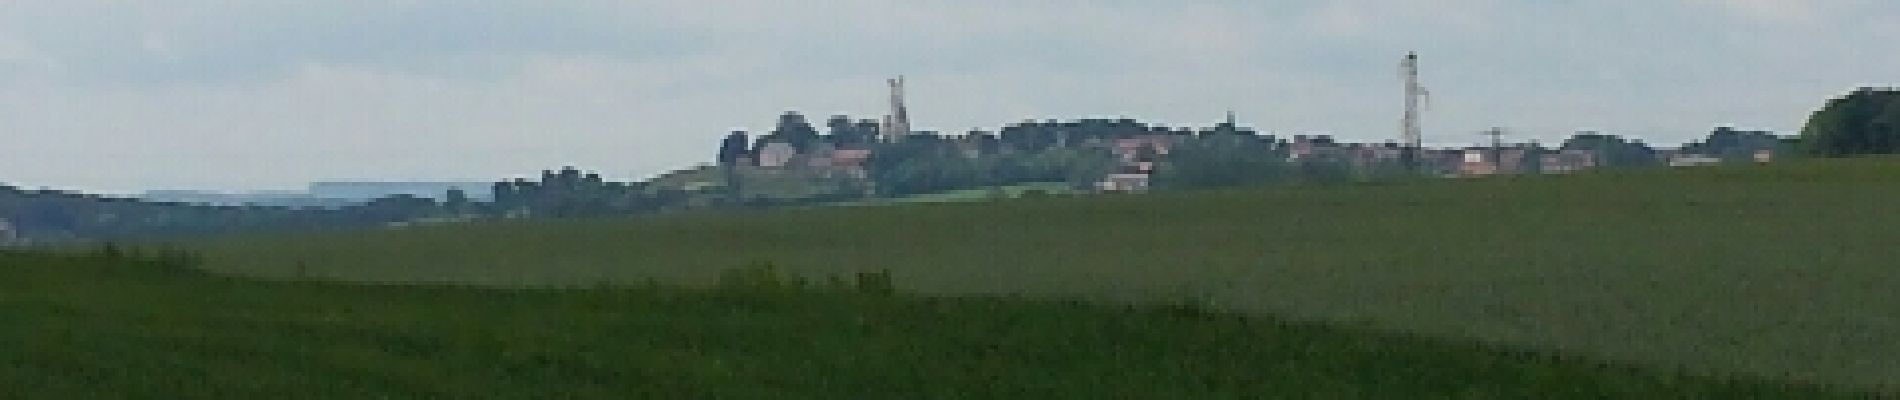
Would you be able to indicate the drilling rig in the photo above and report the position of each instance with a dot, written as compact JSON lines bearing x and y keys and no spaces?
{"x":1416,"y":98}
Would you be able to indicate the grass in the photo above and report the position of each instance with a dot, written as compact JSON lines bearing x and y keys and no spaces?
{"x":1784,"y":271}
{"x":94,"y":328}
{"x":972,"y":195}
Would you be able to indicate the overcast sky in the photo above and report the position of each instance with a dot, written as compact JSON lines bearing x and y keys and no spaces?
{"x":269,"y":94}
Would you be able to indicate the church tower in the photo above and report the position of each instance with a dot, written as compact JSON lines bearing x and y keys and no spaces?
{"x":896,"y":124}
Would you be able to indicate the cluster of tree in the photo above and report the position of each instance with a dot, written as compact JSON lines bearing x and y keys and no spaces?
{"x":1234,"y":160}
{"x":564,"y":193}
{"x":928,"y":163}
{"x":1865,"y":121}
{"x":1731,"y":145}
{"x":1613,"y":151}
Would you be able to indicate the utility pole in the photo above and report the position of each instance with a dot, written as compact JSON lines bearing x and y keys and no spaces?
{"x":1410,"y":132}
{"x":1497,"y":147}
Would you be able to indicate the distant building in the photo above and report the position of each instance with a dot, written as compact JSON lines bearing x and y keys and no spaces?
{"x":1127,"y":149}
{"x":1363,"y":156}
{"x":1129,"y":177}
{"x":1764,"y":156}
{"x":1477,"y":162}
{"x":1305,"y":147}
{"x":776,"y":154}
{"x":849,"y":157}
{"x":1512,"y":159}
{"x":1567,"y":161}
{"x":1124,"y":182}
{"x":1691,"y":160}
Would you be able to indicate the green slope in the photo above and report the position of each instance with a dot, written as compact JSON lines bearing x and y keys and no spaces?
{"x":93,"y":329}
{"x":1785,"y":270}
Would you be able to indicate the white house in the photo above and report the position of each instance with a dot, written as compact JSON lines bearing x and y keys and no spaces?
{"x":1124,"y":182}
{"x":1691,"y":160}
{"x":776,"y":154}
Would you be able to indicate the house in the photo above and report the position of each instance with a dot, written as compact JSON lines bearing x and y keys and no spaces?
{"x":1130,"y":177}
{"x":1477,"y":162}
{"x":1363,"y":156}
{"x":849,"y":157}
{"x":1129,"y":148}
{"x":1691,"y":160}
{"x":1567,"y":161}
{"x":1306,"y":147}
{"x":1124,"y":182}
{"x":851,"y":161}
{"x":776,"y":154}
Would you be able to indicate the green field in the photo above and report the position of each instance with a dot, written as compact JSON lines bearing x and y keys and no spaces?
{"x":969,"y":195}
{"x":98,"y":328}
{"x":1786,"y":271}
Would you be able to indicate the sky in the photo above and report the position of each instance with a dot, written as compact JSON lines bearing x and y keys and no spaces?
{"x":119,"y":96}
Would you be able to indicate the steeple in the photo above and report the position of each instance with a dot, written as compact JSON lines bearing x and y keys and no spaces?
{"x":897,"y":123}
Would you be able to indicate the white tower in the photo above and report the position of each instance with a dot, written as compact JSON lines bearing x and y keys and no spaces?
{"x":897,"y":123}
{"x":1415,"y":98}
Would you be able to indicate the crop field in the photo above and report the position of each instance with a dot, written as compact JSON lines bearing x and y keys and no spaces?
{"x":91,"y":327}
{"x":969,"y":195}
{"x":1788,"y":271}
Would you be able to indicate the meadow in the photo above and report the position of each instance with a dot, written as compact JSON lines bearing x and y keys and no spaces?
{"x":1785,"y":272}
{"x":99,"y":327}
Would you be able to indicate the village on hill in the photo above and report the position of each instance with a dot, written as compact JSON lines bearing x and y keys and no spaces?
{"x":878,"y":161}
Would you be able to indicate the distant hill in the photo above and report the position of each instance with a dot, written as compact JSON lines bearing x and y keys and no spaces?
{"x":323,"y":194}
{"x":291,"y":199}
{"x":369,"y":190}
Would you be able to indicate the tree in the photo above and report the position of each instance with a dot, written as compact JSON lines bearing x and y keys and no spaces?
{"x":1216,"y":162}
{"x":1866,"y":121}
{"x":1732,"y":145}
{"x":1612,"y":150}
{"x":456,"y":201}
{"x":845,"y":132}
{"x":792,"y":128}
{"x":733,"y":148}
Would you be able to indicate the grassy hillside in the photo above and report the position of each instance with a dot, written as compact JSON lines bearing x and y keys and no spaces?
{"x":92,"y":328}
{"x":969,"y":195}
{"x":1783,"y":271}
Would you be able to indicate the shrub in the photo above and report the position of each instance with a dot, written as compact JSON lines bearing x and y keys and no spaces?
{"x":876,"y":283}
{"x":758,"y":277}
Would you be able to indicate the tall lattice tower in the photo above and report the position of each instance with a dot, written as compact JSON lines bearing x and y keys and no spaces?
{"x":897,"y":123}
{"x":1410,"y":132}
